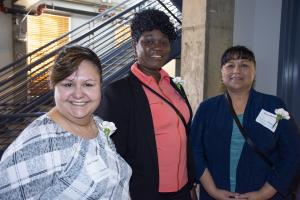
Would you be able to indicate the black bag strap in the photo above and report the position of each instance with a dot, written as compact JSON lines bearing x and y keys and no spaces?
{"x":263,"y":156}
{"x":181,"y":91}
{"x":168,"y":102}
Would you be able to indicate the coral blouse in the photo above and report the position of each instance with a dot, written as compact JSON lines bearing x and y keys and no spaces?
{"x":170,"y":134}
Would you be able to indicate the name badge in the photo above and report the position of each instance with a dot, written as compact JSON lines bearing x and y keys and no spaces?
{"x":96,"y":168}
{"x":267,"y":119}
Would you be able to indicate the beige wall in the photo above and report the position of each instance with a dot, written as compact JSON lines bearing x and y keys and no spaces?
{"x":207,"y":32}
{"x":220,"y":18}
{"x":193,"y":49}
{"x":170,"y":67}
{"x":260,"y":31}
{"x":6,"y":42}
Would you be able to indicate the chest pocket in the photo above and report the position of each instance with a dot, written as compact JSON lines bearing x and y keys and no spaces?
{"x":162,"y":114}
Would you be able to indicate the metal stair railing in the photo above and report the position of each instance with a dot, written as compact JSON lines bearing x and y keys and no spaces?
{"x":107,"y":34}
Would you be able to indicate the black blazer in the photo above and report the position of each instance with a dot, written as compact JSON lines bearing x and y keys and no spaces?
{"x":125,"y":103}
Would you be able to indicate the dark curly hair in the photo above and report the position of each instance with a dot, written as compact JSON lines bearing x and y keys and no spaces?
{"x":150,"y":19}
{"x":237,"y":52}
{"x":68,"y":60}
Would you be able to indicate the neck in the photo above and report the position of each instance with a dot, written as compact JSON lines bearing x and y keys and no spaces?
{"x":86,"y":129}
{"x":239,"y":101}
{"x":150,"y":72}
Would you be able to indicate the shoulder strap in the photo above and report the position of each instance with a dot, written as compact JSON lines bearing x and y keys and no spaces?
{"x":168,"y":102}
{"x":243,"y":132}
{"x":181,"y":91}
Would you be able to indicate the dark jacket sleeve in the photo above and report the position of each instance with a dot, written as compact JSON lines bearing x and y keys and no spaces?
{"x":287,"y":166}
{"x":196,"y":136}
{"x":115,"y":107}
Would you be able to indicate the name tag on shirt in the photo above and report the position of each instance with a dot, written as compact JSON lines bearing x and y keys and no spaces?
{"x":267,"y":119}
{"x":96,"y":168}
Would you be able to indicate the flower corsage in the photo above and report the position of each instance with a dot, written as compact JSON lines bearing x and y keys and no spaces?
{"x":281,"y":114}
{"x":108,"y":129}
{"x":178,"y":81}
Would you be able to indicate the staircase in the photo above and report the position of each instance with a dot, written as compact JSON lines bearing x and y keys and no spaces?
{"x":24,"y":91}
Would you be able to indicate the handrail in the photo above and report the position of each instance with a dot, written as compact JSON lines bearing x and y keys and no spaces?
{"x":35,"y":114}
{"x":54,"y":52}
{"x":107,"y":38}
{"x":25,"y":69}
{"x":64,"y":35}
{"x":169,"y":11}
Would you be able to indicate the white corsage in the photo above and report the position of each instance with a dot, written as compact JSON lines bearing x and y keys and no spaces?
{"x":281,"y":114}
{"x":178,"y":81}
{"x":108,"y":129}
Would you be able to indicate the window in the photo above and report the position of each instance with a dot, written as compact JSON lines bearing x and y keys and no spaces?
{"x":40,"y":31}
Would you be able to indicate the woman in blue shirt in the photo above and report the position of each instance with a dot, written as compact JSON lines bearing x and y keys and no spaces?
{"x":226,"y":165}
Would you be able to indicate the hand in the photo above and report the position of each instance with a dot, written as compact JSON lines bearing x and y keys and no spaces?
{"x":194,"y":194}
{"x":252,"y":196}
{"x":265,"y":192}
{"x":220,"y":194}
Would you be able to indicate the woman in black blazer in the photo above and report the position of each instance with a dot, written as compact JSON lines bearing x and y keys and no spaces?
{"x":129,"y":104}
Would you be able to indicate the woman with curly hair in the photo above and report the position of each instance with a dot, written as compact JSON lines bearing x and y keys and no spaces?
{"x":152,"y":115}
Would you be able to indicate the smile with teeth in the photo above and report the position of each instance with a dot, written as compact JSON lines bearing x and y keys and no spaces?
{"x":78,"y":103}
{"x":156,"y":56}
{"x":236,"y":78}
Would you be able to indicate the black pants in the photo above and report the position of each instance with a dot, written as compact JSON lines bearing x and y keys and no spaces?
{"x":182,"y":194}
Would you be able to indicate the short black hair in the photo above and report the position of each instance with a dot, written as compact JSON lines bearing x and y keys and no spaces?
{"x":237,"y":52}
{"x":150,"y":19}
{"x":68,"y":60}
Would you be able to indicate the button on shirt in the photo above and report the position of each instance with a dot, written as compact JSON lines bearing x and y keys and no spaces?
{"x":170,"y":134}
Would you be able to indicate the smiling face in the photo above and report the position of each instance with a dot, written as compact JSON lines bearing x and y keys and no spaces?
{"x":78,"y":95}
{"x":152,"y":51}
{"x":238,"y":75}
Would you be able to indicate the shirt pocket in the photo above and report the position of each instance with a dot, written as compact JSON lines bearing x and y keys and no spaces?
{"x":162,"y":115}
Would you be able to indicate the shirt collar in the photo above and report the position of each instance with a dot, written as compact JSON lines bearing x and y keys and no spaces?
{"x":147,"y":79}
